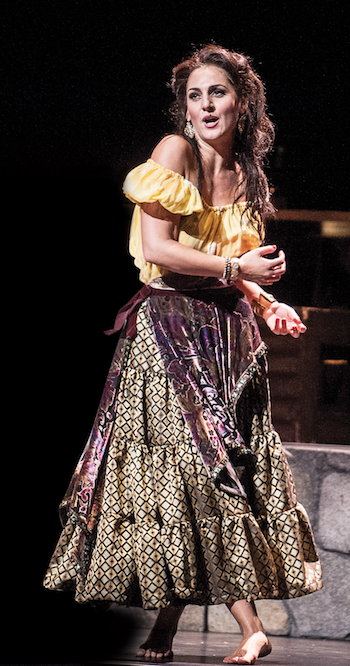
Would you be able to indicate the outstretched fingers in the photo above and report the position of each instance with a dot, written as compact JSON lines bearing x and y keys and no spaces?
{"x":284,"y":327}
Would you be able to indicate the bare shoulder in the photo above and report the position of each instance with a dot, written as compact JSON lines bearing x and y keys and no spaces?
{"x":174,"y":153}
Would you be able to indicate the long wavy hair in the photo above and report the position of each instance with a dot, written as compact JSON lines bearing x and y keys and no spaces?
{"x":249,"y":147}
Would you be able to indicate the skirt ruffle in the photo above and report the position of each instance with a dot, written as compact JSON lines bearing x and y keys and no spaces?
{"x":167,"y":533}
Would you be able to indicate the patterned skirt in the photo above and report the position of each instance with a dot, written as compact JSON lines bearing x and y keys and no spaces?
{"x":166,"y":530}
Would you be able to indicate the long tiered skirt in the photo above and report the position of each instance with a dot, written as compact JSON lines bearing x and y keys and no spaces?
{"x":167,"y":532}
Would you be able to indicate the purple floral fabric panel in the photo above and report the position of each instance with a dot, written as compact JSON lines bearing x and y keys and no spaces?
{"x":208,"y":344}
{"x":82,"y":496}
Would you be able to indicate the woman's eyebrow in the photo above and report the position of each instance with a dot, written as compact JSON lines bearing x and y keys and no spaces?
{"x":214,"y":85}
{"x":218,"y":85}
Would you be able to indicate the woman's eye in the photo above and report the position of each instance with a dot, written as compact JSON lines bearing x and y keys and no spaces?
{"x":218,"y":92}
{"x":193,"y":95}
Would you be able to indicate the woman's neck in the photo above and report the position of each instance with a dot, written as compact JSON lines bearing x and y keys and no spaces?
{"x":215,"y":160}
{"x":222,"y":178}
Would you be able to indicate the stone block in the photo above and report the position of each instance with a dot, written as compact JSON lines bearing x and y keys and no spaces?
{"x":221,"y":620}
{"x":272,"y":613}
{"x":192,"y":619}
{"x":274,"y":617}
{"x":334,"y":514}
{"x":307,"y":470}
{"x":340,"y":461}
{"x":325,"y":613}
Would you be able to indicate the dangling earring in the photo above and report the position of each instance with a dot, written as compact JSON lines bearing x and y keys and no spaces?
{"x":189,"y":130}
{"x":241,"y":123}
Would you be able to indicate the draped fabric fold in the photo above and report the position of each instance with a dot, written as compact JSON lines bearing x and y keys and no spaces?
{"x":84,"y":494}
{"x":128,"y":313}
{"x":206,"y":350}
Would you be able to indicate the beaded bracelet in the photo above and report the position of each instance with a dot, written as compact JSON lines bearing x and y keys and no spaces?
{"x":227,"y":270}
{"x":231,"y":269}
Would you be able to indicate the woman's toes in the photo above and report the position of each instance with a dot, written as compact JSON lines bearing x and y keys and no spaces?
{"x":237,"y":660}
{"x":140,"y":653}
{"x":152,"y":654}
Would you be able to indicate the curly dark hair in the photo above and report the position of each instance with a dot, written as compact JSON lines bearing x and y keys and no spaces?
{"x":249,"y":147}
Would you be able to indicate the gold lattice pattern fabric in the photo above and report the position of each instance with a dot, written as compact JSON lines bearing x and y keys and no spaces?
{"x":167,"y":533}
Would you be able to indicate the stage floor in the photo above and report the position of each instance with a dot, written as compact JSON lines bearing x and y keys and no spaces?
{"x":210,"y":648}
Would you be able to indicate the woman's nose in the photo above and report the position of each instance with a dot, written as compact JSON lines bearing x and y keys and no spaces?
{"x":207,"y":102}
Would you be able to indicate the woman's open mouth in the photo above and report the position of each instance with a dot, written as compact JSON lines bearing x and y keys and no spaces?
{"x":210,"y":121}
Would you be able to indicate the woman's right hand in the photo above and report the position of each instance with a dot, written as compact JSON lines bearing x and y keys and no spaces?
{"x":255,"y":266}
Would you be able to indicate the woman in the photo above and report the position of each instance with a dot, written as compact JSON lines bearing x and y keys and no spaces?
{"x":183,"y":494}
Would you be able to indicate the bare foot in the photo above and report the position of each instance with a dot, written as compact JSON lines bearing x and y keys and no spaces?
{"x":157,"y":646}
{"x":159,"y":643}
{"x":257,"y":645}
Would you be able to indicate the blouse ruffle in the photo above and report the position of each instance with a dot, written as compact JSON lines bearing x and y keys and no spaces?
{"x":151,"y":182}
{"x":227,"y":230}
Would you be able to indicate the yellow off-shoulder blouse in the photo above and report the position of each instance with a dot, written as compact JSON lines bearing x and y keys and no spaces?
{"x":222,"y":230}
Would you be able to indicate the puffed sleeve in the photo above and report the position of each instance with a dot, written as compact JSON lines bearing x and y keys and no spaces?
{"x":151,"y":182}
{"x":148,"y":183}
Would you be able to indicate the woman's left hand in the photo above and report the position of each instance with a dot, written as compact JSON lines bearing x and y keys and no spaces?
{"x":283,"y":320}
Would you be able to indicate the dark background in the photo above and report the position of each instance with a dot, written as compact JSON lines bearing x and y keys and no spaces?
{"x":83,"y":100}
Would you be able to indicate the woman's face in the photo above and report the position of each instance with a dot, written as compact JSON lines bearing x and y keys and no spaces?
{"x":212,"y":104}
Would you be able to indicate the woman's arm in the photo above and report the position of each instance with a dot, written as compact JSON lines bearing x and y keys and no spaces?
{"x":160,"y":246}
{"x":160,"y":228}
{"x":250,"y":289}
{"x":160,"y":232}
{"x":280,"y":318}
